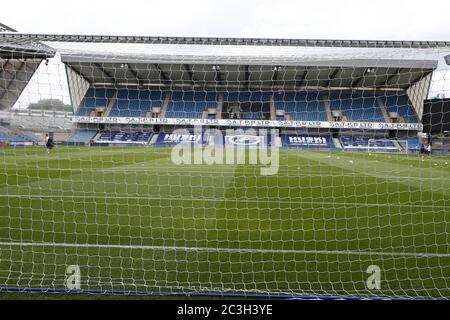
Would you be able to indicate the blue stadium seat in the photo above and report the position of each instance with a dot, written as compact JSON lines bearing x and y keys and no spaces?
{"x":95,"y":97}
{"x":11,"y":137}
{"x":247,"y":96}
{"x":356,"y":106}
{"x":135,"y":103}
{"x":190,"y":104}
{"x":401,"y":105}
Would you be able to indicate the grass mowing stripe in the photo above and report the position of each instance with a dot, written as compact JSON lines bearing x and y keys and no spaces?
{"x":281,"y":232}
{"x":378,"y":170}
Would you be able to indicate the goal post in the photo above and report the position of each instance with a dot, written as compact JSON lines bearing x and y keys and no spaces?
{"x":385,"y":146}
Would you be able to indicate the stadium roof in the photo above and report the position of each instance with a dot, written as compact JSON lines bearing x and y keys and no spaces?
{"x":19,"y":60}
{"x":5,"y":28}
{"x":235,"y":65}
{"x":115,"y":60}
{"x":234,"y":41}
{"x":14,"y":47}
{"x":154,"y":74}
{"x":286,"y":63}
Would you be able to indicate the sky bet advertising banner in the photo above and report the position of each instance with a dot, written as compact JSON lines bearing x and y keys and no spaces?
{"x":306,"y":142}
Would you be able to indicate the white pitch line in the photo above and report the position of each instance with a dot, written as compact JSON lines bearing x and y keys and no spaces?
{"x":294,"y":173}
{"x":228,"y":250}
{"x":94,"y":196}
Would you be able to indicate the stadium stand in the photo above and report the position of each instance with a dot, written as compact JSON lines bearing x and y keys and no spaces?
{"x":190,"y":104}
{"x":254,"y":105}
{"x":400,"y":104}
{"x":252,"y":115}
{"x":41,"y":123}
{"x":356,"y":106}
{"x":246,"y":96}
{"x":14,"y":137}
{"x":95,"y":97}
{"x":124,"y":137}
{"x":135,"y":103}
{"x":6,"y":135}
{"x":302,"y":106}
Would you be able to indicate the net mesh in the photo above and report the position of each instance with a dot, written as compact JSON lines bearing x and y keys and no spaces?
{"x":224,"y":166}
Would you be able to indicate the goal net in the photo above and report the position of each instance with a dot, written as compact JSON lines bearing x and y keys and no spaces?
{"x":236,"y":167}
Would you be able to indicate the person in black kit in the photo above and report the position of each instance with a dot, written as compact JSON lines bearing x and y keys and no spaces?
{"x":422,"y":149}
{"x":48,"y":143}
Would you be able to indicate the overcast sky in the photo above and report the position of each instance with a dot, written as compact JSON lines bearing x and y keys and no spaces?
{"x":345,"y":19}
{"x":316,"y":19}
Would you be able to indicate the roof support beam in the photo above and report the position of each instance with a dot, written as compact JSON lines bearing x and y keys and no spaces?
{"x":247,"y":76}
{"x":5,"y":27}
{"x":332,"y":76}
{"x":135,"y":74}
{"x":162,"y":74}
{"x":420,"y":77}
{"x":190,"y":73}
{"x":357,"y":82}
{"x":392,"y":76}
{"x":275,"y":75}
{"x":300,"y":80}
{"x":218,"y":76}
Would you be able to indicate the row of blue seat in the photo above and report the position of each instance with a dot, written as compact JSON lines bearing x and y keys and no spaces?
{"x":356,"y":106}
{"x":11,"y":137}
{"x":401,"y":105}
{"x":135,"y":103}
{"x":299,"y":105}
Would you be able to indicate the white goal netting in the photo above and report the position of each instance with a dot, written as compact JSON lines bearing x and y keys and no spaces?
{"x":224,"y":166}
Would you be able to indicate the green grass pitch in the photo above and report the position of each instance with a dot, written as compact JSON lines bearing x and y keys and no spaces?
{"x":133,"y":221}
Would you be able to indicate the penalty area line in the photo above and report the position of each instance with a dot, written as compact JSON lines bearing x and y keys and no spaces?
{"x":227,"y":250}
